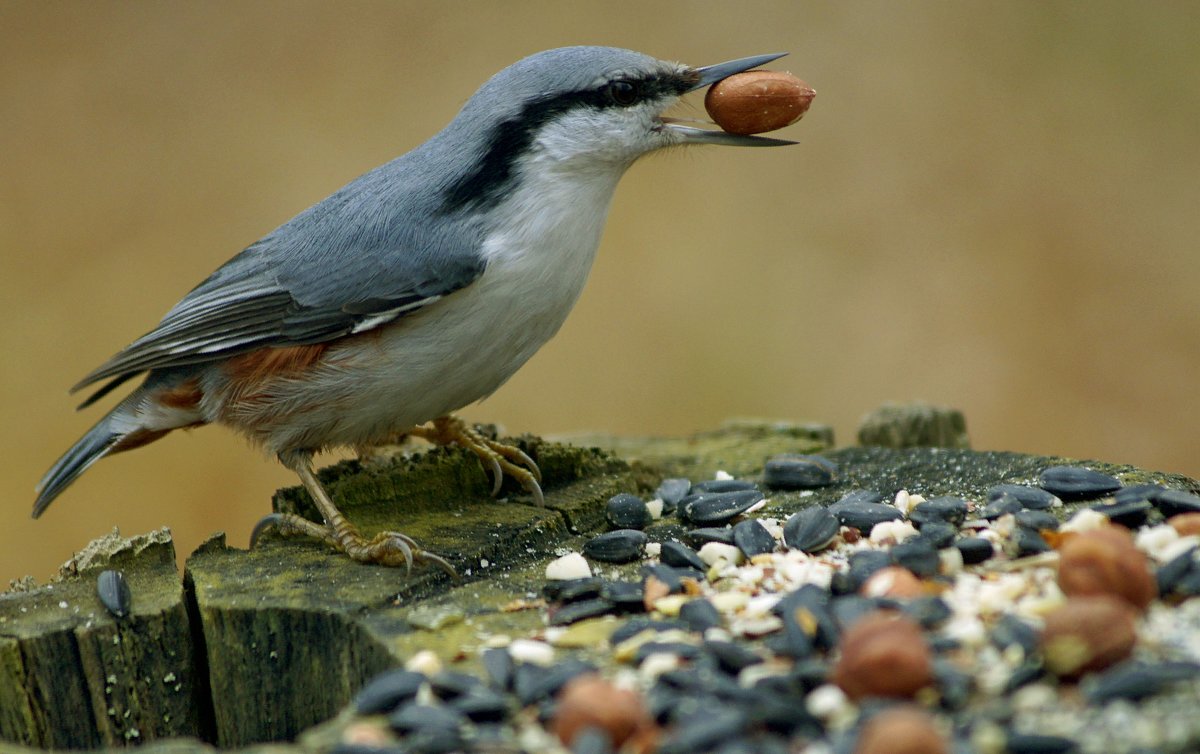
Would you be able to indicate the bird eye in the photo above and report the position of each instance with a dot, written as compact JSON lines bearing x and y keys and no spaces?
{"x":622,"y":93}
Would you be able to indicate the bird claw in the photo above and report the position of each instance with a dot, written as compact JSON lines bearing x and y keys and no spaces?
{"x":498,"y":457}
{"x":389,"y":548}
{"x":497,"y":475}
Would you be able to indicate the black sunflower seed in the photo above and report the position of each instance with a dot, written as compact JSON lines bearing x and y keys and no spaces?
{"x":918,"y":556}
{"x":974,"y":549}
{"x":863,"y":516}
{"x":1038,"y":743}
{"x":731,"y":657}
{"x":954,"y":686}
{"x":1037,"y":520}
{"x":388,"y":690}
{"x":500,"y":667}
{"x":414,"y":717}
{"x":1001,"y":506}
{"x":672,"y":577}
{"x":671,"y":491}
{"x":483,"y":705}
{"x":635,"y":626}
{"x":679,"y":555}
{"x":718,"y":507}
{"x":799,"y":472}
{"x":809,"y":608}
{"x":1077,"y":483}
{"x":625,"y":511}
{"x":1024,"y":674}
{"x":1138,"y":492}
{"x":705,"y":731}
{"x":1135,"y":680}
{"x":946,"y":509}
{"x":1172,"y":573}
{"x":534,"y":682}
{"x":863,"y":564}
{"x":449,"y":684}
{"x":680,"y":649}
{"x":626,"y":595}
{"x":848,"y":608}
{"x":573,"y":612}
{"x":620,"y":546}
{"x":811,"y":530}
{"x":723,"y":485}
{"x":1129,"y":513}
{"x":1174,"y":502}
{"x":1033,"y":498}
{"x":699,"y":615}
{"x":115,"y":595}
{"x":1011,"y":630}
{"x":571,"y":590}
{"x":697,"y":538}
{"x":937,"y":533}
{"x":752,"y":538}
{"x":930,"y":611}
{"x":1029,"y":542}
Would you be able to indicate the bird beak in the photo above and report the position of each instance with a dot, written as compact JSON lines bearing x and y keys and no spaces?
{"x":711,"y":74}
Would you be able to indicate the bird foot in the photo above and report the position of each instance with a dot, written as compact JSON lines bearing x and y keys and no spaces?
{"x":387,"y":548}
{"x":499,"y":457}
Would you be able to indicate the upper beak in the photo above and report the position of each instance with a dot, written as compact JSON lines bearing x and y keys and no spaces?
{"x":711,"y":74}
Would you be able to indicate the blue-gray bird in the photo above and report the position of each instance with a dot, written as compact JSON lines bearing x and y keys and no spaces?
{"x":413,"y":291}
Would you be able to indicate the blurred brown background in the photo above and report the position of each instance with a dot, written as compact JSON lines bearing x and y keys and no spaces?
{"x":994,"y":206}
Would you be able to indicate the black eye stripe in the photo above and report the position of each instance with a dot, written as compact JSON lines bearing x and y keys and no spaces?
{"x":492,"y":176}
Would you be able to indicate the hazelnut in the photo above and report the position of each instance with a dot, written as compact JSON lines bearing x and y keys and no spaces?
{"x":901,"y":730}
{"x":1088,"y":633}
{"x":758,"y":101}
{"x":589,"y":701}
{"x":1185,"y":523}
{"x":883,"y":654}
{"x":1105,"y":561}
{"x":892,"y":581}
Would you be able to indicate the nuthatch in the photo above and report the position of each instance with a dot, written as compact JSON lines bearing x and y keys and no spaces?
{"x":413,"y":291}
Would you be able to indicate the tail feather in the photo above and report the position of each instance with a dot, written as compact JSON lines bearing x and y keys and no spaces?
{"x":93,"y":446}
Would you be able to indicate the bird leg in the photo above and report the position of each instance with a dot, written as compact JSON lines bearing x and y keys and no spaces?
{"x":389,"y":548}
{"x":500,"y":458}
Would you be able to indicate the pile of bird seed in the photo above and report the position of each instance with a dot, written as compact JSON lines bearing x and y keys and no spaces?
{"x":879,"y":623}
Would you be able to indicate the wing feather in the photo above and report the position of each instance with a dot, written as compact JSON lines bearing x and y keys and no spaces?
{"x":367,"y":255}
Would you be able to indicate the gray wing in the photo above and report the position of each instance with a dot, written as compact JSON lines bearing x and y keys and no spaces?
{"x":357,"y":260}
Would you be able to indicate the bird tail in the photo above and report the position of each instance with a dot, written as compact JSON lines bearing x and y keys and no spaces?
{"x":123,"y":428}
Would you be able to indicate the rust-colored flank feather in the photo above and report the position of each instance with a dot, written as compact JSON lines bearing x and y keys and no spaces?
{"x":264,"y":363}
{"x":185,"y":396}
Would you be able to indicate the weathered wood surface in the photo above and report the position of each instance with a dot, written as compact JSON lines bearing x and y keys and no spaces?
{"x":259,"y":645}
{"x":72,"y":675}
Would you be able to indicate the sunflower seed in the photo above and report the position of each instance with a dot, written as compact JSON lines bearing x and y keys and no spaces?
{"x":388,"y":690}
{"x":114,"y":593}
{"x":1077,"y":483}
{"x":752,"y":538}
{"x":799,"y":472}
{"x":1033,"y":498}
{"x":620,"y":546}
{"x":625,"y":511}
{"x":974,"y":549}
{"x":679,"y":555}
{"x":718,"y":507}
{"x":811,"y":530}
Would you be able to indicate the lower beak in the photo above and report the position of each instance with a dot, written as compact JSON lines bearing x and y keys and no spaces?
{"x":711,"y":74}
